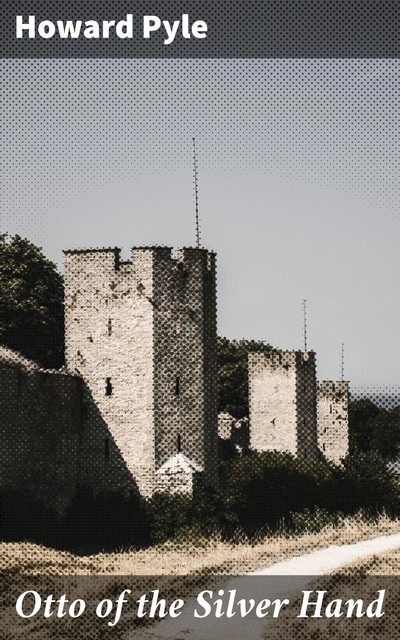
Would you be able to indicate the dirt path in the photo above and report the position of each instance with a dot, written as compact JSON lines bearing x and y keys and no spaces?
{"x":294,"y":574}
{"x":326,"y":560}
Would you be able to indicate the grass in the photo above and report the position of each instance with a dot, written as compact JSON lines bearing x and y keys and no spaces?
{"x":189,"y":555}
{"x":361,"y":579}
{"x":115,"y":571}
{"x":384,"y":564}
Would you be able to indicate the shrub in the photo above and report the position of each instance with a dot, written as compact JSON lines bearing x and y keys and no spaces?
{"x":167,"y":514}
{"x":363,"y":481}
{"x":274,"y":489}
{"x":314,"y":520}
{"x":205,"y":512}
{"x":265,"y":488}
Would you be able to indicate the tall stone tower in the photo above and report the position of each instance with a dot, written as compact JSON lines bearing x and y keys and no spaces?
{"x":283,"y":402}
{"x":333,"y":419}
{"x":142,"y":334}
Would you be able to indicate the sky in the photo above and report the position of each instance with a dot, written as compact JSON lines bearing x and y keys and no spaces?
{"x":298,"y":186}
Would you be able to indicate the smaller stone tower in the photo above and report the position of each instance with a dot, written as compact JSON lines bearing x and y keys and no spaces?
{"x":283,"y":402}
{"x":333,"y":419}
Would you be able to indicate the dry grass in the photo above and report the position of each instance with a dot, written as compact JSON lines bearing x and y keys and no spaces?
{"x":382,"y":564}
{"x":360,"y":580}
{"x":213,"y":556}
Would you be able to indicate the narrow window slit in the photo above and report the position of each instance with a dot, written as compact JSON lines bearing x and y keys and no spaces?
{"x":109,"y":388}
{"x":177,"y":386}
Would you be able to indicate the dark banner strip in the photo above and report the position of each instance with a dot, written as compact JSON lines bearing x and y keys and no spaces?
{"x":200,"y":607}
{"x":251,"y":29}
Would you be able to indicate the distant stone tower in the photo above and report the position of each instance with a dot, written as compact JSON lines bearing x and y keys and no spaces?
{"x":333,"y":419}
{"x":142,"y":334}
{"x":283,"y":402}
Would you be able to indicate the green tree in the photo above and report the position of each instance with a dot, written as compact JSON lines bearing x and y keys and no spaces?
{"x":265,"y":487}
{"x":362,"y":414}
{"x":373,"y":428}
{"x":395,"y":434}
{"x":31,"y":302}
{"x":233,"y":395}
{"x":363,"y":481}
{"x":386,"y":433}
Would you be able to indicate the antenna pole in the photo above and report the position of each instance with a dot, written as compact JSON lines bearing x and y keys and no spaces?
{"x":196,"y":194}
{"x":305,"y":324}
{"x":342,"y":363}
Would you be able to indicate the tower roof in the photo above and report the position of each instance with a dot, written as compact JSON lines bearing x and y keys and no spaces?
{"x":179,"y":462}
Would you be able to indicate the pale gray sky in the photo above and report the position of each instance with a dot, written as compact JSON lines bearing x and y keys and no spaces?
{"x":299,"y":187}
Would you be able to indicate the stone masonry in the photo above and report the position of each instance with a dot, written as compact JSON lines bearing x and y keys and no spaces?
{"x":40,"y":426}
{"x":142,"y":335}
{"x":135,"y":410}
{"x":333,"y":419}
{"x":282,"y":397}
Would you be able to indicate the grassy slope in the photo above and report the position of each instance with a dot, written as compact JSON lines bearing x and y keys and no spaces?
{"x":212,"y":556}
{"x":363,"y":579}
{"x":181,"y":558}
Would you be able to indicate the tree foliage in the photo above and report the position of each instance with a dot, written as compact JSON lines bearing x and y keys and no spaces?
{"x":362,"y":414}
{"x":268,"y":488}
{"x":363,"y":481}
{"x":31,"y":302}
{"x":233,"y":395}
{"x":264,"y":488}
{"x":373,"y":428}
{"x":202,"y":513}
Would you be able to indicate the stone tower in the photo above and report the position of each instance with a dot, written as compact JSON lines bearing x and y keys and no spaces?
{"x":142,"y":335}
{"x":333,"y":419}
{"x":283,"y":402}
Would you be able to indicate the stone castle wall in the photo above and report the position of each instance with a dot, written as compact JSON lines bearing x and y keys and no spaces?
{"x":333,"y":419}
{"x":137,"y":410}
{"x":40,"y":428}
{"x":282,"y":397}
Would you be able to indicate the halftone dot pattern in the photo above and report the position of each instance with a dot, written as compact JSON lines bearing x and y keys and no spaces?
{"x":385,"y":396}
{"x":72,"y":127}
{"x":136,"y":406}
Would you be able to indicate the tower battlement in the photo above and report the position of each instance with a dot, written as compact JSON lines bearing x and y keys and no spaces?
{"x":281,"y":359}
{"x":329,"y":387}
{"x":111,"y":256}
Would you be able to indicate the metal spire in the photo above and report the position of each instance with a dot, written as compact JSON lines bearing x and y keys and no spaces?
{"x":342,"y":363}
{"x":305,"y":324}
{"x":196,"y":194}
